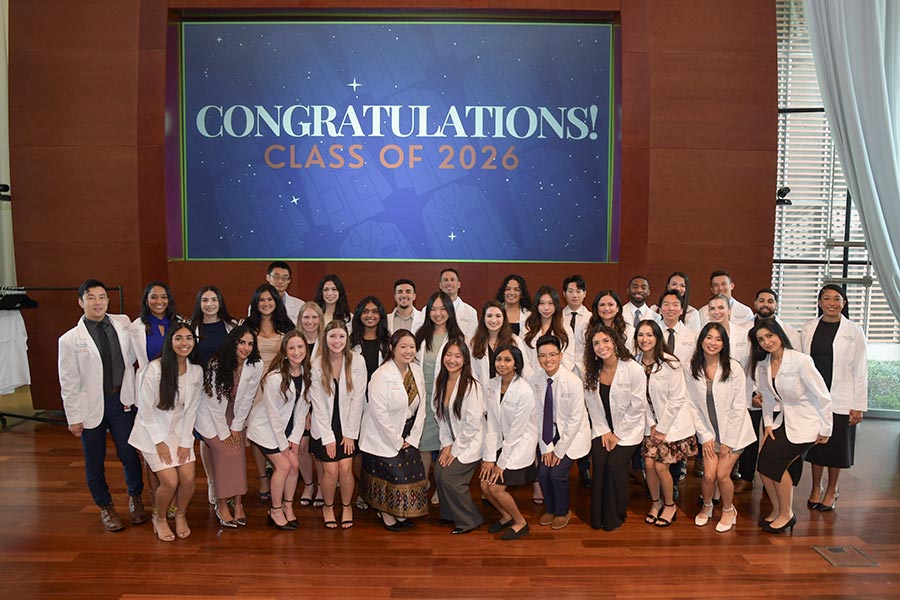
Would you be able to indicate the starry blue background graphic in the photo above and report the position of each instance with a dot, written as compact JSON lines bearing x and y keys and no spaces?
{"x":554,"y":206}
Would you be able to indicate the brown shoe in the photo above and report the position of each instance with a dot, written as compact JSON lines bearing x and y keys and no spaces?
{"x":546,"y":519}
{"x":742,"y":486}
{"x":560,"y":522}
{"x":111,"y":520}
{"x":136,"y":508}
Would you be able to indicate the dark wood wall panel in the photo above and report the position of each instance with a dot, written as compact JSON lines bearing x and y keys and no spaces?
{"x":87,"y":125}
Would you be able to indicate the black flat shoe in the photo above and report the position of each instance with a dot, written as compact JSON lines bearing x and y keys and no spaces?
{"x":499,"y":526}
{"x":406,"y":524}
{"x":461,"y":531}
{"x":514,"y":535}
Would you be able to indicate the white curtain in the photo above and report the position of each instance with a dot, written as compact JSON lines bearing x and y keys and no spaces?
{"x":7,"y":257}
{"x":856,"y":48}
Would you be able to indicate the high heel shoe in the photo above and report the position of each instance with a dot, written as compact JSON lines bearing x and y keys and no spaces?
{"x":307,"y":500}
{"x":181,"y":527}
{"x":395,"y":526}
{"x":789,"y":526}
{"x":273,"y":523}
{"x":655,"y":509}
{"x":241,"y":521}
{"x":232,"y":524}
{"x":828,"y":508}
{"x":163,"y":537}
{"x":722,"y":526}
{"x":704,"y":515}
{"x":663,"y":522}
{"x":347,"y":523}
{"x":292,"y":523}
{"x":329,"y":524}
{"x":815,"y":505}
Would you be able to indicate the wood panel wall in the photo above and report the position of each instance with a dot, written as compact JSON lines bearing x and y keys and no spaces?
{"x":87,"y":83}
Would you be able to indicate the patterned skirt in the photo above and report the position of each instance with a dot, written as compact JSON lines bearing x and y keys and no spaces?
{"x":395,"y":485}
{"x":669,"y":453}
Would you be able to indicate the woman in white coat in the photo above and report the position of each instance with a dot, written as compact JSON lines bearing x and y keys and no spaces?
{"x":439,"y":327}
{"x":276,"y":423}
{"x":510,"y":437}
{"x":311,"y":323}
{"x":369,"y":335}
{"x":716,"y":387}
{"x":163,"y":431}
{"x":230,"y":382}
{"x":393,"y":480}
{"x":338,"y":395}
{"x":669,"y":434}
{"x":607,"y":310}
{"x":546,"y":319}
{"x":459,"y":409}
{"x":838,"y":349}
{"x":615,"y":394}
{"x":494,"y":331}
{"x":791,"y":378}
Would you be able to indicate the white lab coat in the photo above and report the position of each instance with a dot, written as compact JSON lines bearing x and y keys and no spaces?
{"x":512,"y":424}
{"x":387,"y":410}
{"x":211,"y":419}
{"x":350,"y":403}
{"x":481,"y":368}
{"x":418,"y":319}
{"x":674,"y":415}
{"x":850,"y":369}
{"x":569,"y":413}
{"x":466,"y":317}
{"x":805,"y":402}
{"x":627,"y":405}
{"x":465,"y":434}
{"x":269,"y":418}
{"x":730,"y":396}
{"x":152,"y":425}
{"x":81,"y":372}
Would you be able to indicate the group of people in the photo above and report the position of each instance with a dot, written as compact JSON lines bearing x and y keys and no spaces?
{"x":377,"y":401}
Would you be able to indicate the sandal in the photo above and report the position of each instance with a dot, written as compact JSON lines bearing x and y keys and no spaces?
{"x":158,"y":530}
{"x":267,"y":495}
{"x":653,"y":515}
{"x":347,"y":523}
{"x":662,"y":522}
{"x":318,"y":501}
{"x":332,"y":524}
{"x":181,"y":527}
{"x":537,"y":495}
{"x":292,"y":523}
{"x":304,"y":499}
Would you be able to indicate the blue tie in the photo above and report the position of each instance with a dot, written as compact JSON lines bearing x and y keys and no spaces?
{"x":547,"y":433}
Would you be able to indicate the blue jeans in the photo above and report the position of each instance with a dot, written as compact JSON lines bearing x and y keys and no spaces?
{"x":555,"y":486}
{"x":93,"y":442}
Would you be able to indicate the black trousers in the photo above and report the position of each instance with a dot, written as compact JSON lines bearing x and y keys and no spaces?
{"x":747,"y":461}
{"x":609,"y":485}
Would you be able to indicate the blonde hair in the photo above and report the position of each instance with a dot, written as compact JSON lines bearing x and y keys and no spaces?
{"x":315,"y":308}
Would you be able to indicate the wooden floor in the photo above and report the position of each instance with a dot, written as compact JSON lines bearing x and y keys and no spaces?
{"x":52,"y":545}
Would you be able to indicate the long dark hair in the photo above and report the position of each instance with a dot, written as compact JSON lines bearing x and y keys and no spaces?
{"x":525,"y":297}
{"x":281,"y":365}
{"x":698,"y":360}
{"x":395,"y":339}
{"x":592,"y":362}
{"x":342,"y":306}
{"x":660,"y":354}
{"x":218,"y":375}
{"x":518,"y":359}
{"x":280,"y":320}
{"x":168,"y":367}
{"x":426,"y":331}
{"x":382,"y":333}
{"x":834,"y":288}
{"x":465,"y":380}
{"x":757,"y":354}
{"x":171,"y":314}
{"x":482,"y":335}
{"x":533,"y":323}
{"x":197,"y":317}
{"x":618,"y":322}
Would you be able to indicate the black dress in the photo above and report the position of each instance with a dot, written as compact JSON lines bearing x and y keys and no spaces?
{"x":318,"y":448}
{"x":839,"y":450}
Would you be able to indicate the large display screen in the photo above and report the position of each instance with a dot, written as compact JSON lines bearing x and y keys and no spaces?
{"x":399,"y":141}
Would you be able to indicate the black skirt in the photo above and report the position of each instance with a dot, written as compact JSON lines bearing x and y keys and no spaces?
{"x":839,"y":450}
{"x":780,"y":454}
{"x":518,"y":476}
{"x":317,"y":449}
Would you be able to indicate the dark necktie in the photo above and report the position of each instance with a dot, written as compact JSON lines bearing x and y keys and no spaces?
{"x":670,"y":342}
{"x":105,"y":356}
{"x":637,"y":317}
{"x":547,"y":430}
{"x":572,"y":321}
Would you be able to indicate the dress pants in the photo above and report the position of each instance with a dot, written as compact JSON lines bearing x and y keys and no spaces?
{"x":456,"y":504}
{"x":747,"y":461}
{"x":555,"y":486}
{"x":93,"y":442}
{"x":609,"y":487}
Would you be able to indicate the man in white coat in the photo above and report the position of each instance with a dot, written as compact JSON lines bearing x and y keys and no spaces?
{"x":279,"y":277}
{"x":466,"y":316}
{"x":720,"y":283}
{"x":96,"y":378}
{"x":405,"y":315}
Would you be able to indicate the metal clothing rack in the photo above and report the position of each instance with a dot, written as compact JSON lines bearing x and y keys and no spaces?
{"x":39,"y":415}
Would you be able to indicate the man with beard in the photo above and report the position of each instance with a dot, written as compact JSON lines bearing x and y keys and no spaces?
{"x":637,"y":310}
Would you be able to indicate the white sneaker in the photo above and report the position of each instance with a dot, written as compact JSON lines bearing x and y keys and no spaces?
{"x":704,"y":515}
